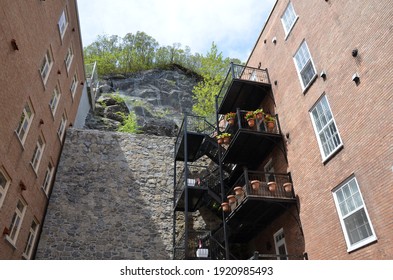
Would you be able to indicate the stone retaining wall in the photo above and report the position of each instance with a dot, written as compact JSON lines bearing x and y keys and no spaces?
{"x":112,"y":198}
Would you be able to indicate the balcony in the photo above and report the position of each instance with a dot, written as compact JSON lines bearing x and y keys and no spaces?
{"x":200,"y":182}
{"x":249,"y":145}
{"x":196,"y":128}
{"x":244,"y":87}
{"x":258,"y":198}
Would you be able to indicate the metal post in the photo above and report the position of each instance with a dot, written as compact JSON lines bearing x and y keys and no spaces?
{"x":174,"y":211}
{"x":226,"y":242}
{"x":185,"y":189}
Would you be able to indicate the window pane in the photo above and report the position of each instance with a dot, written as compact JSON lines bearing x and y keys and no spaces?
{"x":357,"y":226}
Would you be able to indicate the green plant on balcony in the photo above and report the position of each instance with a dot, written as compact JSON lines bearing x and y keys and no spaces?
{"x":230,"y":118}
{"x":270,"y":122}
{"x":226,"y":137}
{"x":259,"y":113}
{"x":250,"y":117}
{"x":220,"y":139}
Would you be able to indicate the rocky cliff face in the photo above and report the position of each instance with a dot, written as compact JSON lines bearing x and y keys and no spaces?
{"x":159,"y":98}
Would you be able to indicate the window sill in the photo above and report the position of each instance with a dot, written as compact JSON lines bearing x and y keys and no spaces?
{"x":333,"y":154}
{"x":20,"y":141}
{"x":310,"y":84}
{"x":362,"y":244}
{"x":10,"y":241}
{"x":35,"y":171}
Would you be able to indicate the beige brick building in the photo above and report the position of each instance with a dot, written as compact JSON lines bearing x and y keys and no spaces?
{"x":42,"y":80}
{"x":330,"y":66}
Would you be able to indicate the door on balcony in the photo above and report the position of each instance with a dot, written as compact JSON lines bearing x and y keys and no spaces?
{"x":269,"y":171}
{"x":281,"y":248}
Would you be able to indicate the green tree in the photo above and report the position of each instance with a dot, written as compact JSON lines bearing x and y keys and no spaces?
{"x":213,"y":70}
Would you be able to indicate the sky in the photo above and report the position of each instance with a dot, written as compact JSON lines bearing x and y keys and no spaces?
{"x":233,"y":25}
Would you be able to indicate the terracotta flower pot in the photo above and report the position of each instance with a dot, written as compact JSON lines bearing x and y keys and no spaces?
{"x":238,"y":190}
{"x":251,"y":122}
{"x":288,"y":187}
{"x":231,"y":121}
{"x":220,"y":141}
{"x":272,"y":186}
{"x":227,"y":140}
{"x":225,"y":206}
{"x":270,"y":126}
{"x":259,"y":116}
{"x":255,"y":184}
{"x":231,"y":199}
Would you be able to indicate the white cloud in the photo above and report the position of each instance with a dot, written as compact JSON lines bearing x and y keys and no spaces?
{"x":232,"y":24}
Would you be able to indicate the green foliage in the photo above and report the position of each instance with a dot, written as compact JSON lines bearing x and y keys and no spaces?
{"x":213,"y":70}
{"x":130,"y":124}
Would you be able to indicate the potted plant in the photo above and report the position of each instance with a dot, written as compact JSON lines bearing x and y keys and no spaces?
{"x":250,"y":117}
{"x":287,"y":187}
{"x":259,"y":114}
{"x":230,"y":118}
{"x":255,"y":184}
{"x":238,"y":190}
{"x":272,"y":186}
{"x":225,"y":206}
{"x":220,"y":139}
{"x":226,"y":137}
{"x":231,"y":198}
{"x":270,"y":122}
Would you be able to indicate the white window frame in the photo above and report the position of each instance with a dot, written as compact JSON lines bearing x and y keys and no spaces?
{"x":62,"y":127}
{"x":31,"y":240}
{"x":46,"y":66}
{"x":25,"y":122}
{"x":74,"y":85}
{"x":326,"y":129}
{"x":288,"y":19}
{"x":16,"y":222}
{"x":354,"y":200}
{"x":37,"y":154}
{"x":69,"y":57}
{"x":302,"y":60}
{"x":48,"y":178}
{"x":4,"y":185}
{"x":279,"y":240}
{"x":54,"y":101}
{"x":63,"y":23}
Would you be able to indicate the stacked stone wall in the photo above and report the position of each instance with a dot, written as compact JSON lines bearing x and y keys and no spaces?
{"x":112,"y":198}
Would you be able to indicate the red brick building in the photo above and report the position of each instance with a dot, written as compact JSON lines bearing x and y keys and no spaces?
{"x":330,"y":67}
{"x":42,"y":79}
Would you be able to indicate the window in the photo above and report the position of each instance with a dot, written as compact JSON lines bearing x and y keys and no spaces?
{"x":304,"y":65}
{"x":46,"y":66}
{"x":16,"y":222}
{"x":63,"y":23}
{"x":30,"y":240}
{"x":289,"y":18}
{"x":54,"y":100}
{"x":74,"y":84}
{"x":48,"y":178}
{"x":325,"y":128}
{"x":353,"y":215}
{"x":69,"y":57}
{"x":4,"y":184}
{"x":25,"y":122}
{"x":37,"y":155}
{"x":279,"y":242}
{"x":61,"y":130}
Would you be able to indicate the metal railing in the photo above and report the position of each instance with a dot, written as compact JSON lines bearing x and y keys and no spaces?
{"x":194,"y":124}
{"x":242,"y":72}
{"x":260,"y":125}
{"x":263,"y":184}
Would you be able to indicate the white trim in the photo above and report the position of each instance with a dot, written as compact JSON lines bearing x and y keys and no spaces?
{"x":46,"y":184}
{"x":54,"y":108}
{"x":4,"y":189}
{"x":287,"y":32}
{"x":37,"y":154}
{"x":280,"y":242}
{"x":26,"y":123}
{"x":299,"y":71}
{"x":46,"y":66}
{"x":365,"y":241}
{"x":63,"y":23}
{"x":62,"y":127}
{"x":18,"y":215}
{"x":320,"y":144}
{"x":31,"y":240}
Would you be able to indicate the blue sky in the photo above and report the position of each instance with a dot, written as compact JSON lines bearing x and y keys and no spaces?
{"x":233,"y":25}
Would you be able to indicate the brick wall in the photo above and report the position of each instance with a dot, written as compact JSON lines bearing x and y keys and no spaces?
{"x":363,"y":114}
{"x":34,"y":27}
